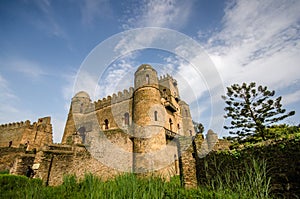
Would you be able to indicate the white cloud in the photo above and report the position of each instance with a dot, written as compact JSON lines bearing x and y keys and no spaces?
{"x":291,"y":98}
{"x":259,"y":41}
{"x":153,"y":13}
{"x":119,"y":76}
{"x":158,"y":13}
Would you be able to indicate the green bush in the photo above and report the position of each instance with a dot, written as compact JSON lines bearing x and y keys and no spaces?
{"x":12,"y":186}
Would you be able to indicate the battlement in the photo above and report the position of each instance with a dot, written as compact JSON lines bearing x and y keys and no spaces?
{"x":24,"y":124}
{"x":115,"y":98}
{"x":17,"y":134}
{"x":15,"y":125}
{"x":165,"y":77}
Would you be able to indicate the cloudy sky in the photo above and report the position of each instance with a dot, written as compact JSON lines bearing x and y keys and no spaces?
{"x":45,"y":44}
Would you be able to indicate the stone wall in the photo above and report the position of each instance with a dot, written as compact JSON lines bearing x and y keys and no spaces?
{"x":8,"y":156}
{"x":35,"y":135}
{"x":13,"y":132}
{"x":282,"y":160}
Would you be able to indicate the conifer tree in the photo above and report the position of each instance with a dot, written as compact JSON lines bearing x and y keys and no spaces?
{"x":252,"y":109}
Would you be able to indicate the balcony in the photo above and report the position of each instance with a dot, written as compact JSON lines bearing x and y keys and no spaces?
{"x":168,"y":104}
{"x":171,"y":134}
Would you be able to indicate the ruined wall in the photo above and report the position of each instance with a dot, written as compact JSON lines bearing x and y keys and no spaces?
{"x":8,"y":157}
{"x":36,"y":134}
{"x":57,"y":160}
{"x":188,"y":159}
{"x":13,"y":132}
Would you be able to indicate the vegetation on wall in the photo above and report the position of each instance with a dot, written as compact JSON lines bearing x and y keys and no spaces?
{"x":279,"y":161}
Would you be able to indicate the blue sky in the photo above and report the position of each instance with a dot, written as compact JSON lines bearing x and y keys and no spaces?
{"x":44,"y":43}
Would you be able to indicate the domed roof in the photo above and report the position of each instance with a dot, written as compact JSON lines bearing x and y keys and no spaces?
{"x":144,"y":67}
{"x":82,"y":94}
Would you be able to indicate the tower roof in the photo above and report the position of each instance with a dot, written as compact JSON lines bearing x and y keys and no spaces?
{"x":82,"y":94}
{"x":145,"y":67}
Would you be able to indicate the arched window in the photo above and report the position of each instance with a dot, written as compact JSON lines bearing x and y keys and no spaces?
{"x":81,"y":132}
{"x":164,"y":93}
{"x":147,"y":79}
{"x":126,"y":116}
{"x":106,"y":124}
{"x":186,"y":113}
{"x":190,"y":132}
{"x":155,"y":115}
{"x":178,"y":126}
{"x":171,"y":123}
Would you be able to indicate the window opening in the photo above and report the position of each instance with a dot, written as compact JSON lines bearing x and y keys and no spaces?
{"x":155,"y":115}
{"x":106,"y":124}
{"x":126,"y":116}
{"x":171,"y":123}
{"x":147,"y":79}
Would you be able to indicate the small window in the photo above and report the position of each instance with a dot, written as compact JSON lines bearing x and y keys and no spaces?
{"x":164,"y":92}
{"x":190,"y":132}
{"x":126,"y":116}
{"x":106,"y":124}
{"x":155,"y":115}
{"x":171,"y":123}
{"x":81,"y":107}
{"x":178,"y":126}
{"x":147,"y":79}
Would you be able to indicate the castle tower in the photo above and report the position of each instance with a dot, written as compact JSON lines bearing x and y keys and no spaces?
{"x":148,"y":118}
{"x":79,"y":104}
{"x":187,"y":122}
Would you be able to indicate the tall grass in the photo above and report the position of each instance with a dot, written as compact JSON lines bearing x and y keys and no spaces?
{"x":253,"y":184}
{"x":249,"y":182}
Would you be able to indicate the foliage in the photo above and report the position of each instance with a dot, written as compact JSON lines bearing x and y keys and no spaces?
{"x":199,"y":128}
{"x":124,"y":186}
{"x":4,"y":172}
{"x":252,"y":110}
{"x":12,"y":186}
{"x":251,"y":183}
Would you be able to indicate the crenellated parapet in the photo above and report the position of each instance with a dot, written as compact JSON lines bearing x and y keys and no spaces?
{"x":167,"y":77}
{"x":20,"y":133}
{"x":164,"y":77}
{"x":14,"y":125}
{"x":115,"y":98}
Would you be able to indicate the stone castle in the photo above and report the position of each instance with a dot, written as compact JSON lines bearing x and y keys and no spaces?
{"x":147,"y":130}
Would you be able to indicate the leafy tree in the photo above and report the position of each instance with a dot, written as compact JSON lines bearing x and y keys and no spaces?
{"x":252,"y":109}
{"x":199,"y":128}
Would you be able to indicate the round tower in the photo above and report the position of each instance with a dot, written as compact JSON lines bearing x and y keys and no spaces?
{"x":148,"y":118}
{"x":80,"y":103}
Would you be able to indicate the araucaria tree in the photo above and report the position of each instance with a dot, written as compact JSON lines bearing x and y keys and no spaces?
{"x":252,"y":110}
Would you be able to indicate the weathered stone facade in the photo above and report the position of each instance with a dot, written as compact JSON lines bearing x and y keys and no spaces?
{"x":24,"y":134}
{"x":145,"y":120}
{"x":136,"y":130}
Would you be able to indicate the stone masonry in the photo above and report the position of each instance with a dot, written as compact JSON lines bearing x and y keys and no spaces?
{"x":146,"y":129}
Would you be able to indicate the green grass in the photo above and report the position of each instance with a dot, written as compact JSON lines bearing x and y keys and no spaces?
{"x":253,"y":184}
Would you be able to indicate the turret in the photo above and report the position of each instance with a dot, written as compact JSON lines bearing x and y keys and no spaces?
{"x":145,"y":75}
